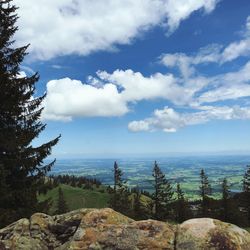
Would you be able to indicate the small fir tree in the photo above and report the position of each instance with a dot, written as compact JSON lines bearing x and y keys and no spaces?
{"x":246,"y":192}
{"x":162,"y":195}
{"x":140,"y":211}
{"x":61,"y":203}
{"x":120,"y":194}
{"x":182,"y":208}
{"x":205,"y":191}
{"x":225,"y":200}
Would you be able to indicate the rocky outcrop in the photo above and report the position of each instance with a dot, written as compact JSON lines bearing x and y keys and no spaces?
{"x":106,"y":229}
{"x":206,"y":233}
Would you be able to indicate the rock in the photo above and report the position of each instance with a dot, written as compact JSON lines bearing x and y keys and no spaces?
{"x":17,"y":236}
{"x":107,"y":229}
{"x":206,"y":233}
{"x":97,"y":229}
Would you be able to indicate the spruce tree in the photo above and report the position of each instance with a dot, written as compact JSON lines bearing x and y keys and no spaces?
{"x":120,"y":194}
{"x":139,"y":209}
{"x":225,"y":200}
{"x":21,"y":163}
{"x":182,"y":209}
{"x":61,"y":203}
{"x":205,"y":190}
{"x":246,"y":192}
{"x":162,"y":195}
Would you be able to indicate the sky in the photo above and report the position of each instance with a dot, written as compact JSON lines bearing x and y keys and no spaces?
{"x":140,"y":77}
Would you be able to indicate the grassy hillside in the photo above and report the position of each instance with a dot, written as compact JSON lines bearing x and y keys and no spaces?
{"x":77,"y":198}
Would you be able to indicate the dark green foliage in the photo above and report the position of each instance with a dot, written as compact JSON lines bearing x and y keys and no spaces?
{"x":246,"y":180}
{"x":246,"y":193}
{"x":137,"y":205}
{"x":61,"y":203}
{"x":182,"y":210}
{"x":225,"y":200}
{"x":162,"y":195}
{"x":79,"y":181}
{"x":120,"y":194}
{"x":140,"y":210}
{"x":205,"y":191}
{"x":21,"y":164}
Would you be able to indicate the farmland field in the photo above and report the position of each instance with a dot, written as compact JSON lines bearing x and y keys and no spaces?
{"x":183,"y":169}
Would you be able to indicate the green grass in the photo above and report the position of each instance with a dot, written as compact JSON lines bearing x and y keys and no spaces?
{"x":77,"y":198}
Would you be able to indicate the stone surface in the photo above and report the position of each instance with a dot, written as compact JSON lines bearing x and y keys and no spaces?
{"x":206,"y":233}
{"x":97,"y":229}
{"x":107,"y":229}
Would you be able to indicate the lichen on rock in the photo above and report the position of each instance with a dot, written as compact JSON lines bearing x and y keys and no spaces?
{"x":206,"y":233}
{"x":97,"y":229}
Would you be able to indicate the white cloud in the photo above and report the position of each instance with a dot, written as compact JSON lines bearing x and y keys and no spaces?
{"x":68,"y":98}
{"x":235,"y":50}
{"x":168,"y":120}
{"x":27,"y":69}
{"x":186,"y":64}
{"x":64,"y":27}
{"x":239,"y":48}
{"x":137,"y":126}
{"x":137,"y":87}
{"x":111,"y":94}
{"x":21,"y":74}
{"x":232,"y":85}
{"x":180,"y":10}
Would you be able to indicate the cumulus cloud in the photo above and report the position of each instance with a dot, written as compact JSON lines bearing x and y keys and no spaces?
{"x":111,"y":94}
{"x":179,"y":10}
{"x":168,"y":120}
{"x":108,"y":94}
{"x":64,"y":27}
{"x":137,"y":87}
{"x":68,"y":98}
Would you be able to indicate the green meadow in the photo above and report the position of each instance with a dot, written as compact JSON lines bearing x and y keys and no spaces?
{"x":77,"y":197}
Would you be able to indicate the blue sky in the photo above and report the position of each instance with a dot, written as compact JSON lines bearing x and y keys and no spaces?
{"x":151,"y":77}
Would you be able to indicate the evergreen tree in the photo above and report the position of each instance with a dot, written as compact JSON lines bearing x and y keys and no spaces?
{"x":246,"y":192}
{"x":205,"y":190}
{"x":182,"y":210}
{"x":163,"y":194}
{"x":61,"y":203}
{"x":139,"y":209}
{"x":120,"y":194}
{"x":21,"y":163}
{"x":117,"y":183}
{"x":137,"y":204}
{"x":225,"y":200}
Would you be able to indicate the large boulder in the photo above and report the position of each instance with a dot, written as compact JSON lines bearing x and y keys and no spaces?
{"x":206,"y":233}
{"x":97,"y":229}
{"x":41,"y":231}
{"x":107,"y":229}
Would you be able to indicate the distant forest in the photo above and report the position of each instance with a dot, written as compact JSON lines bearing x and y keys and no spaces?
{"x":167,"y":202}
